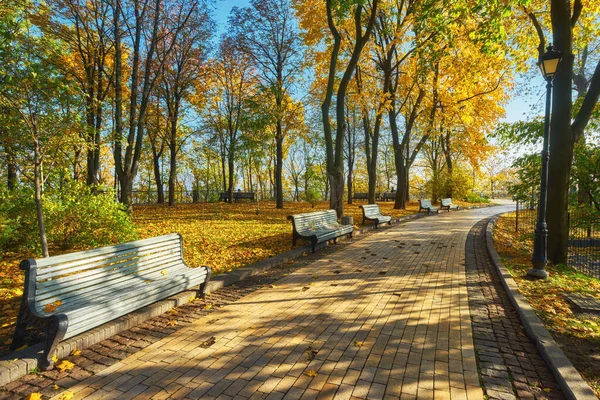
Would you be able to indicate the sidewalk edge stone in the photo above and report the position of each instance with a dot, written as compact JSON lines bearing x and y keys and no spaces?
{"x":568,"y":378}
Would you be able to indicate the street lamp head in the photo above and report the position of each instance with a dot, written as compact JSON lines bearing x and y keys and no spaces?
{"x":549,"y":62}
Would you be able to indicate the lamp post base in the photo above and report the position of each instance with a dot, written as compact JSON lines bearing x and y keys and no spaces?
{"x":537,"y":273}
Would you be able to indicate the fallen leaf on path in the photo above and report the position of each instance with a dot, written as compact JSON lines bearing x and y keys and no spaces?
{"x":66,"y":395}
{"x":65,"y":366}
{"x":164,"y":272}
{"x":311,"y":372}
{"x":305,"y":288}
{"x":208,"y":343}
{"x":358,"y":344}
{"x":76,"y":352}
{"x":34,"y":396}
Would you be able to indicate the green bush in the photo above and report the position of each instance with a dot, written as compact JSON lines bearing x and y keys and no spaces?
{"x":475,"y":198}
{"x":18,"y":224}
{"x":75,"y":217}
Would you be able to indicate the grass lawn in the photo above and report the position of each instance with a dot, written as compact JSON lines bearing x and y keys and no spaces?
{"x":223,"y":236}
{"x":578,"y":334}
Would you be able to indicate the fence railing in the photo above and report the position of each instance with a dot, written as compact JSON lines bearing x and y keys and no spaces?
{"x":584,"y":236}
{"x":584,"y":241}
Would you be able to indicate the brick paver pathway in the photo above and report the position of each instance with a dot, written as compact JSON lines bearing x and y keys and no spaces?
{"x":386,"y":317}
{"x":510,"y":366}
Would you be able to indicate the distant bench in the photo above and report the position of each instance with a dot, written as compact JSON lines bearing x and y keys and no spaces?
{"x":73,"y":293}
{"x":385,"y":196}
{"x":372,"y":212}
{"x":364,"y":196}
{"x":426,"y":205}
{"x":224,"y":196}
{"x":318,"y":227}
{"x":448,"y":205}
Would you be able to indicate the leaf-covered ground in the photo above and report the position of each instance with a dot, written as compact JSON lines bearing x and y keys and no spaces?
{"x":577,"y":333}
{"x":223,"y":236}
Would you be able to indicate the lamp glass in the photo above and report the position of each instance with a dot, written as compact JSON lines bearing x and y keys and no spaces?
{"x":550,"y":66}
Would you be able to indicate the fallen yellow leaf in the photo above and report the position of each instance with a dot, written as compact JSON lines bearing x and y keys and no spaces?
{"x":76,"y":352}
{"x":66,"y":395}
{"x":34,"y":396}
{"x":172,"y":323}
{"x":49,"y":308}
{"x":311,"y":372}
{"x":358,"y":344}
{"x":55,"y":358}
{"x":55,"y":387}
{"x":65,"y":366}
{"x":164,"y":272}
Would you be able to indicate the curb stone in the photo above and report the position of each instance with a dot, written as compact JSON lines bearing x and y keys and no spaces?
{"x":569,"y":380}
{"x":20,"y":363}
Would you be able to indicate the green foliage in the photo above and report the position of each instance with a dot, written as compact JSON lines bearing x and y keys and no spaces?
{"x":528,"y":170}
{"x":586,"y":171}
{"x":76,"y":217}
{"x":18,"y":226}
{"x":520,"y":132}
{"x":476,"y":198}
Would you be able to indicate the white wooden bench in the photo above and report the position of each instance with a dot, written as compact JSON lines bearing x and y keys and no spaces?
{"x":372,"y":212}
{"x":447,"y":205}
{"x":426,"y":205}
{"x":73,"y":293}
{"x":318,"y":227}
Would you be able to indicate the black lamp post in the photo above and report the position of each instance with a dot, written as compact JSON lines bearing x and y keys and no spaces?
{"x":548,"y":64}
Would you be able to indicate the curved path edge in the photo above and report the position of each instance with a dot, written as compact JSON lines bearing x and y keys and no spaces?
{"x":568,"y":378}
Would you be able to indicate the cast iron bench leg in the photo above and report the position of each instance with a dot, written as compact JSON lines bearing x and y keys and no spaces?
{"x":55,"y":332}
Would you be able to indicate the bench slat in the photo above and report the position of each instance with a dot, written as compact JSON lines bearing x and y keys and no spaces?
{"x":82,"y":255}
{"x":104,"y":314}
{"x":50,"y":269}
{"x":96,"y":287}
{"x":105,"y":270}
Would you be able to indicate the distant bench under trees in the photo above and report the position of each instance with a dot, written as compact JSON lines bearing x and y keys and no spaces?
{"x":224,"y":196}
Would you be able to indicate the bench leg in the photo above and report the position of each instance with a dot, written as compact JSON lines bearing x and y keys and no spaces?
{"x":334,"y":240}
{"x":55,"y":332}
{"x":21,"y":327}
{"x":202,"y":289}
{"x":313,"y":245}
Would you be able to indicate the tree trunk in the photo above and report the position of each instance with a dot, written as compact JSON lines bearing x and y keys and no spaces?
{"x":157,"y":178}
{"x":279,"y":166}
{"x":231,"y":183}
{"x":12,"y":178}
{"x":173,"y":165}
{"x":349,"y":184}
{"x":561,"y":135}
{"x":38,"y":195}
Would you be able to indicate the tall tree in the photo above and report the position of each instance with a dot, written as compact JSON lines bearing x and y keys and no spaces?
{"x":181,"y":69}
{"x":85,"y":27}
{"x":335,"y":147}
{"x":571,"y":22}
{"x":268,"y":33}
{"x":229,"y":87}
{"x":140,"y":29}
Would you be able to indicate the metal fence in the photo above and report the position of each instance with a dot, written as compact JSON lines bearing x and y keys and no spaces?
{"x":584,"y":236}
{"x":584,"y":241}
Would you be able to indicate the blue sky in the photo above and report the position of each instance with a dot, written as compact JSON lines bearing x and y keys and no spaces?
{"x":518,"y":108}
